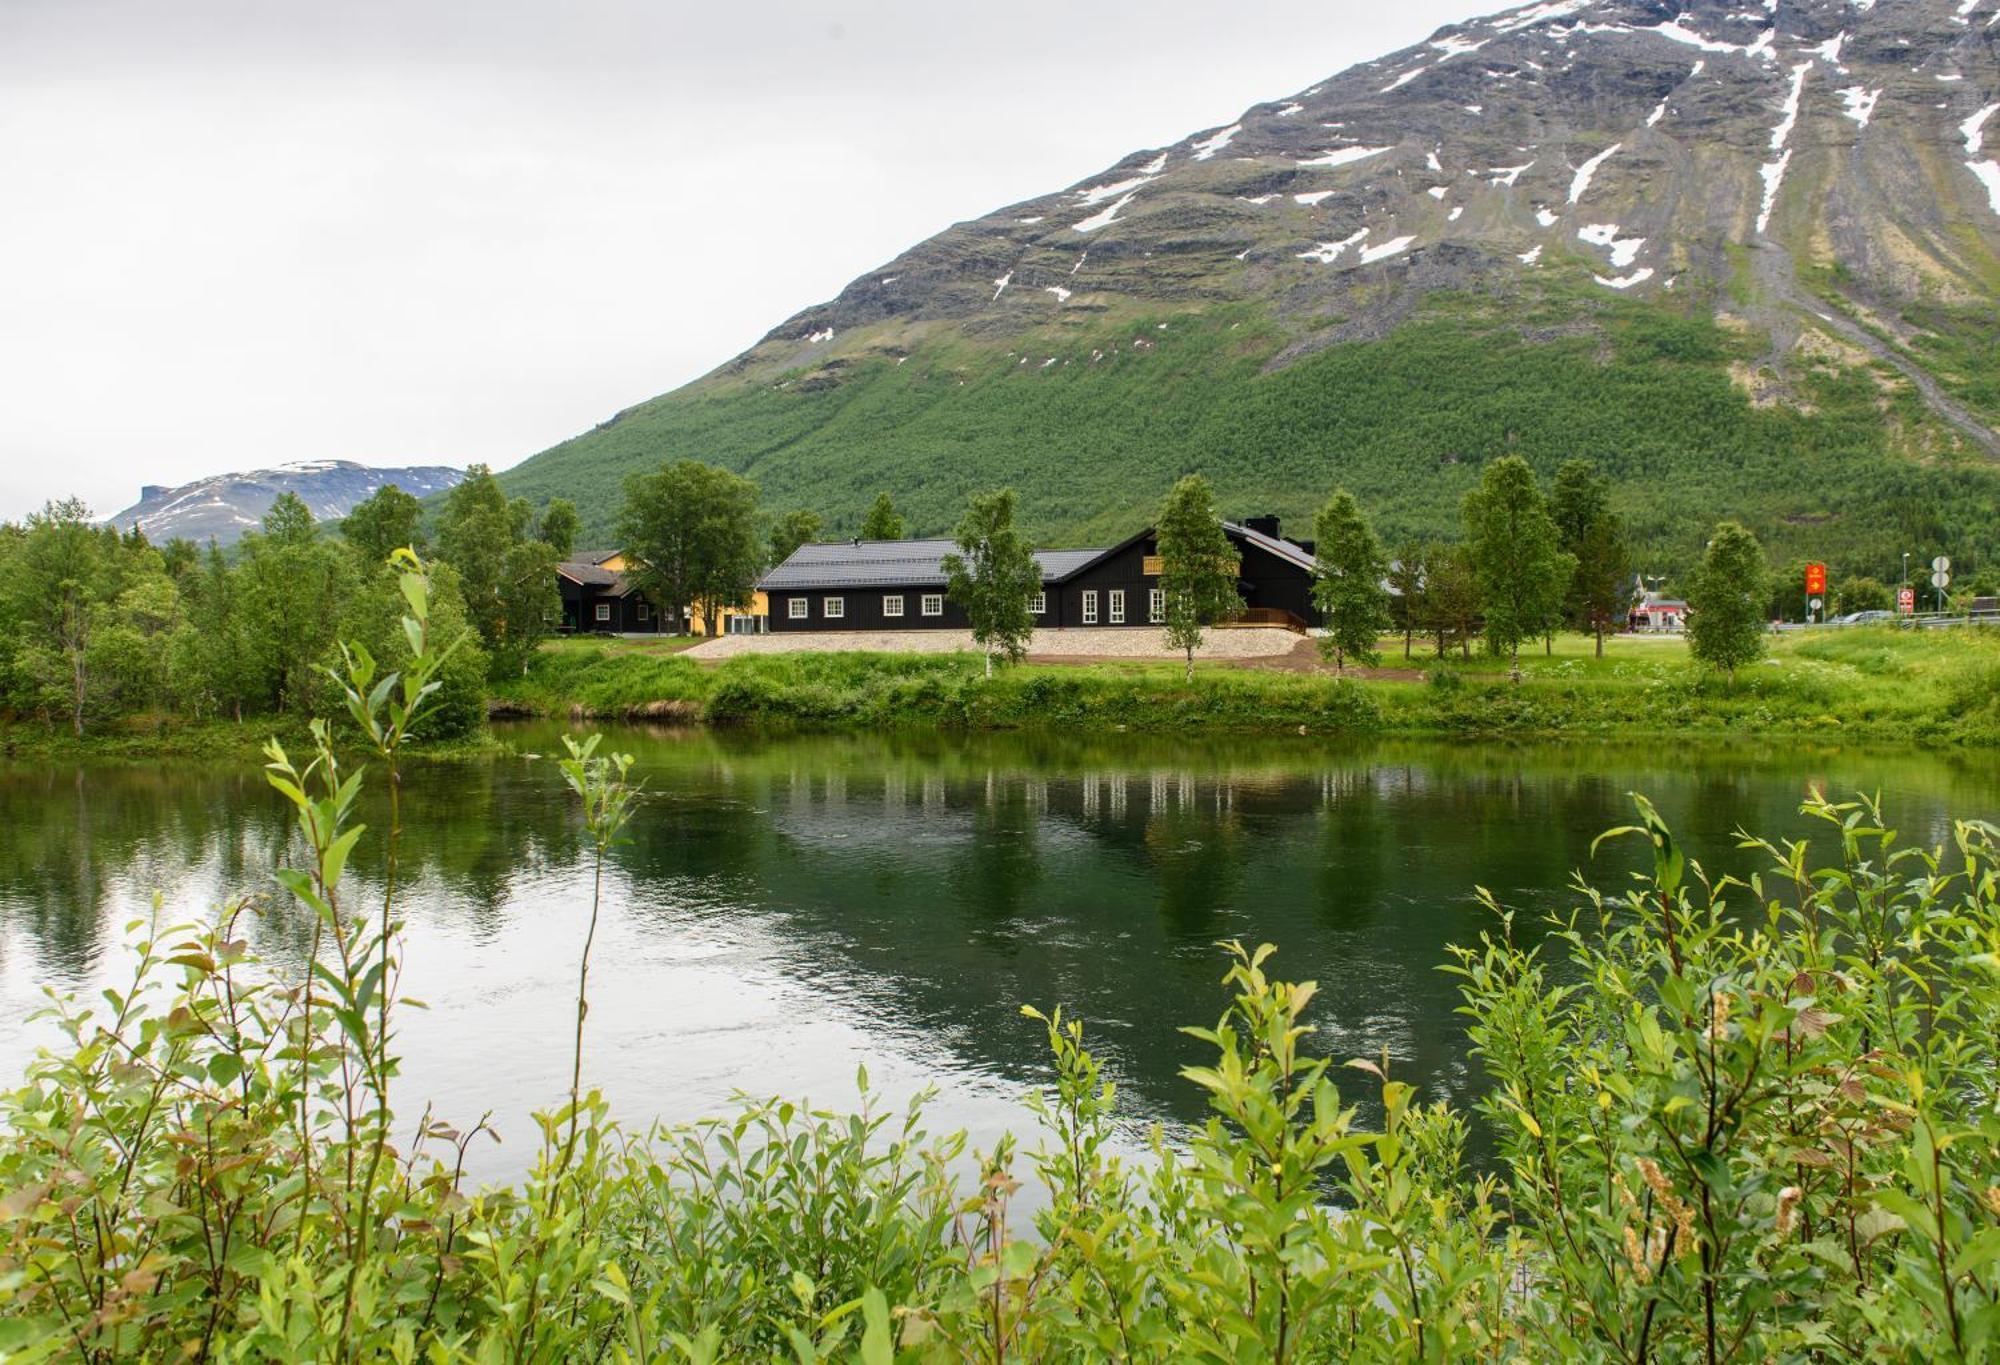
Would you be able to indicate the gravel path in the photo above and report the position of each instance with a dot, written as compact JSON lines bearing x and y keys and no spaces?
{"x":1129,"y":642}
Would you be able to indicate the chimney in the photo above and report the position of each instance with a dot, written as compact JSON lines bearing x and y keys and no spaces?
{"x":1266,"y":525}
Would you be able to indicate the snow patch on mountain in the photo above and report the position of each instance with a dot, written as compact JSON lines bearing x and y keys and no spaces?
{"x":1987,"y":171}
{"x":1343,"y":156}
{"x":1585,"y":173}
{"x":1209,"y":146}
{"x":1105,"y":217}
{"x":1326,"y":253}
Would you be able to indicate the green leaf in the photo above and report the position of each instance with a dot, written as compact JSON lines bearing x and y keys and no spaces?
{"x":877,"y":1345}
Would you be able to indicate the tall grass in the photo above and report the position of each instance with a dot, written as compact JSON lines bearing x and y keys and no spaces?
{"x":1739,"y":1121}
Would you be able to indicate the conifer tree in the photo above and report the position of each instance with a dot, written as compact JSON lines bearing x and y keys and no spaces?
{"x":1198,"y":566}
{"x":1347,"y":583}
{"x":994,"y":576}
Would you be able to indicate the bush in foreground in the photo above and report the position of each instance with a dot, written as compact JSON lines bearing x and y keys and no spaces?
{"x":1738,"y":1121}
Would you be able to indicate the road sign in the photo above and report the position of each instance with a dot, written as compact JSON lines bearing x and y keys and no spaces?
{"x":1815,"y":580}
{"x":1906,"y":601}
{"x":1816,"y":603}
{"x":1940,"y":580}
{"x":1942,"y":564}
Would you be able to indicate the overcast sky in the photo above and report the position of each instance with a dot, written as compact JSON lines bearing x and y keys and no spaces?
{"x":235,"y":233}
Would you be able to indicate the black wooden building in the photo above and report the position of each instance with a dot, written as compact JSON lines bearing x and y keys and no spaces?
{"x":596,"y":598}
{"x":1121,"y":585}
{"x":900,"y":584}
{"x":887,"y":585}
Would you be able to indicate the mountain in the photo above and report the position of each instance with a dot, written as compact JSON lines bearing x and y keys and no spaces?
{"x":224,"y":506}
{"x":1746,"y":255}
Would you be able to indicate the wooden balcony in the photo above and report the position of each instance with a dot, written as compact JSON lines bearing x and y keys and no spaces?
{"x":1265,"y":618}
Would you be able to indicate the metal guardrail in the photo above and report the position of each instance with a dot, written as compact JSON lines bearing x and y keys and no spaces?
{"x":1923,"y":620}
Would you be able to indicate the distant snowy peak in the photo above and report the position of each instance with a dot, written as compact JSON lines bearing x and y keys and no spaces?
{"x":223,"y":506}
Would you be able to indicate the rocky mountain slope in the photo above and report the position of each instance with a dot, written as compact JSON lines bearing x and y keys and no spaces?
{"x":1745,"y":254}
{"x":224,"y":506}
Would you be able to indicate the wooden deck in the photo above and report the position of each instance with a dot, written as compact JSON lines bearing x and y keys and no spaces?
{"x":1264,"y":618}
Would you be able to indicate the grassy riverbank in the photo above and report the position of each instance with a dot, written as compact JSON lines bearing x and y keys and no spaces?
{"x":1937,"y":687}
{"x":1881,"y":685}
{"x":141,"y":739}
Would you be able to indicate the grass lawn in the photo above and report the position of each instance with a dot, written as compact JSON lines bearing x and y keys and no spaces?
{"x":612,"y":646}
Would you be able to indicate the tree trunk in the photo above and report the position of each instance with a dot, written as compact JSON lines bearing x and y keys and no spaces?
{"x":1408,"y":636}
{"x":1549,"y":644}
{"x":1600,"y":639}
{"x":1190,"y":663}
{"x":989,"y":664}
{"x":1514,"y":671}
{"x":76,"y":696}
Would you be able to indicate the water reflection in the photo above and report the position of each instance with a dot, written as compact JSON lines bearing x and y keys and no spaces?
{"x":787,"y":908}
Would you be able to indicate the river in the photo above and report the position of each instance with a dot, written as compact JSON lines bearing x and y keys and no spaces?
{"x":789,"y":909}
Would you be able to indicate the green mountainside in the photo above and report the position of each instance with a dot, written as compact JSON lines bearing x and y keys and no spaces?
{"x":1749,"y":261}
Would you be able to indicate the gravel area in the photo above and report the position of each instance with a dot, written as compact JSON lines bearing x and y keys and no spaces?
{"x":1129,"y":642}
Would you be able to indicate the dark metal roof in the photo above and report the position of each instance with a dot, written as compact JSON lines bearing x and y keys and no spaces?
{"x":893,"y":563}
{"x":1284,"y":549}
{"x":1060,"y":564}
{"x":1289,"y":551}
{"x":589,"y":575}
{"x":586,"y":573}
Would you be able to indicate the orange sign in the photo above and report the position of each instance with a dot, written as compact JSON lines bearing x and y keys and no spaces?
{"x":1815,"y":580}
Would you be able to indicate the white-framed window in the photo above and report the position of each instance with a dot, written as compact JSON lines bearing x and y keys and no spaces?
{"x":833,"y":608}
{"x":645,"y":611}
{"x":1038,"y":605}
{"x":1117,"y":605}
{"x":1156,"y":605}
{"x":892,"y":604}
{"x":1090,"y":606}
{"x":604,"y":611}
{"x":933,"y":604}
{"x":798,"y":608}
